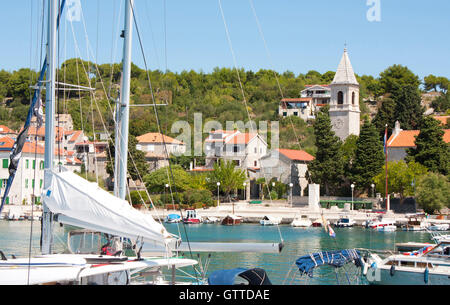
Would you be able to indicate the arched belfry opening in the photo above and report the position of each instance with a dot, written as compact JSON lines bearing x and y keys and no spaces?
{"x":353,"y":98}
{"x":340,"y":98}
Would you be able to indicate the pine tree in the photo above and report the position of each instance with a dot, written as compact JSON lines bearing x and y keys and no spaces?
{"x":328,"y":167}
{"x":385,"y":115}
{"x":369,"y":157}
{"x":408,"y":108}
{"x":431,"y":150}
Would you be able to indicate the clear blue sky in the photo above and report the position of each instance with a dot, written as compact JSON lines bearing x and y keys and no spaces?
{"x":301,"y":35}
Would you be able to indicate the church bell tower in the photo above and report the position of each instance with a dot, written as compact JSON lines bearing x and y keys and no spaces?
{"x":344,"y":103}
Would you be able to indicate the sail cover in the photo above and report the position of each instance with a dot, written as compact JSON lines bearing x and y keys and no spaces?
{"x":307,"y":263}
{"x":84,"y":204}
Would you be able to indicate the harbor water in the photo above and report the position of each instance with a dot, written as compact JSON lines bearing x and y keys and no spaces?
{"x":15,"y":240}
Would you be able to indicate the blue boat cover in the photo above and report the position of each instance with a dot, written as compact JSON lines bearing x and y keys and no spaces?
{"x":254,"y":276}
{"x":173,"y":216}
{"x":339,"y":258}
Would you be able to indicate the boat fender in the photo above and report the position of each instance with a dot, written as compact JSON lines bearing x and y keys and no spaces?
{"x":426,"y":275}
{"x":392,"y":271}
{"x":374,"y":265}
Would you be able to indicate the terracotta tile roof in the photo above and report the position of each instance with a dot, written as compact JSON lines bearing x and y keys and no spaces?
{"x":6,"y":143}
{"x":154,"y":137}
{"x":6,"y":129}
{"x":300,"y":99}
{"x":75,"y":136}
{"x":297,"y":155}
{"x":40,"y":132}
{"x":202,"y":169}
{"x":442,"y":118}
{"x":406,"y":138}
{"x":308,"y":86}
{"x":242,"y":138}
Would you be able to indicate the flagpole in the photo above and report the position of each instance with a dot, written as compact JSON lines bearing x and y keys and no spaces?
{"x":386,"y":168}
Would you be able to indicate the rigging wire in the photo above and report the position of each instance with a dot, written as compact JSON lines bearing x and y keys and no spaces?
{"x":159,"y":124}
{"x":244,"y":99}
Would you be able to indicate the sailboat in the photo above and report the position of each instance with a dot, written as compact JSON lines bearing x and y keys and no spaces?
{"x":71,"y":200}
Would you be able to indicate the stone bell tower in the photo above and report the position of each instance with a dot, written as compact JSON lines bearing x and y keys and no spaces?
{"x":344,"y":103}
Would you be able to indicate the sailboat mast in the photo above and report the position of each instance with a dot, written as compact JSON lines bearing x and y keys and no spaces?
{"x":49,"y":119}
{"x":123,"y":109}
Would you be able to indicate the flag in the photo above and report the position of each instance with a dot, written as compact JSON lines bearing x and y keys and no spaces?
{"x":385,"y":141}
{"x":331,"y":231}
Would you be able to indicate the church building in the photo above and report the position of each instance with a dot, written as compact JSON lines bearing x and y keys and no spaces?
{"x":344,"y":103}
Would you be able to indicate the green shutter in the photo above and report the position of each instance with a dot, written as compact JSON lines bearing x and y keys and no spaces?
{"x":5,"y":163}
{"x":27,"y":162}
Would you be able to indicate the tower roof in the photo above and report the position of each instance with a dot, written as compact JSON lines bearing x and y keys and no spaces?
{"x":344,"y":73}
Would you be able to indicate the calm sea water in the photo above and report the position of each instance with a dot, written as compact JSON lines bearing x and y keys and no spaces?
{"x":15,"y":239}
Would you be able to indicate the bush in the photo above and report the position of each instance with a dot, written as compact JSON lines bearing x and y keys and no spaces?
{"x":192,"y":197}
{"x":274,"y":195}
{"x":433,"y":192}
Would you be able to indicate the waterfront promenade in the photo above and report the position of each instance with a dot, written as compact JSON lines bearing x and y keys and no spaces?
{"x":252,"y":213}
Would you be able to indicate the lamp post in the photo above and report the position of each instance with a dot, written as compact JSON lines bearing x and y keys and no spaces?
{"x":373,"y":190}
{"x":352,"y":186}
{"x":165,"y":199}
{"x":290,"y":192}
{"x":245,"y":191}
{"x":218,"y":188}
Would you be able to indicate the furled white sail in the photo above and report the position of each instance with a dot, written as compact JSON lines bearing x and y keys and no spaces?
{"x":85,"y":204}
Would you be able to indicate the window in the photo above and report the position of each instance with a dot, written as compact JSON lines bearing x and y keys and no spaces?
{"x":235,"y":148}
{"x":40,"y":183}
{"x":256,"y":163}
{"x":237,"y":162}
{"x":295,"y":113}
{"x":284,"y":113}
{"x":353,"y":98}
{"x":32,"y":183}
{"x":256,"y":150}
{"x":5,"y":163}
{"x":34,"y":164}
{"x":27,"y":164}
{"x":340,"y":98}
{"x":41,"y":166}
{"x":26,"y":183}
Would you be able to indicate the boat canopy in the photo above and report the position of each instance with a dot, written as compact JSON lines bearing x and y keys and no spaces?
{"x":84,"y":204}
{"x":173,"y":216}
{"x":339,"y":258}
{"x":254,"y":276}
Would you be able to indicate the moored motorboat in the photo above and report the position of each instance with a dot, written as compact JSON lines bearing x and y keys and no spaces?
{"x":302,"y":222}
{"x":427,"y":266}
{"x":345,"y":222}
{"x":231,"y":220}
{"x":192,"y":217}
{"x":270,"y":221}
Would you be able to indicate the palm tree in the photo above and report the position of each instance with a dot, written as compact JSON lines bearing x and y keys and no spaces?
{"x":229,"y":177}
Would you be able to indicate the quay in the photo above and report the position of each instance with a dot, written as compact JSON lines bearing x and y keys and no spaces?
{"x":253,"y":213}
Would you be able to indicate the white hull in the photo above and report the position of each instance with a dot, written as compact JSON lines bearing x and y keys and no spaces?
{"x":268,"y":223}
{"x":301,"y":223}
{"x":403,"y":277}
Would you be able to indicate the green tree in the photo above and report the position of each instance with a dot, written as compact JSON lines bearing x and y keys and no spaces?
{"x":228,"y":175}
{"x":369,"y":157}
{"x":385,"y":116}
{"x":441,"y":103}
{"x":408,"y":108}
{"x":431,"y":150}
{"x":402,"y":178}
{"x":433,"y":192}
{"x":136,"y":164}
{"x":328,"y":167}
{"x":396,"y":77}
{"x":156,"y":181}
{"x":431,"y":82}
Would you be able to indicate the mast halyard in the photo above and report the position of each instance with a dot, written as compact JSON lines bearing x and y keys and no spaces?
{"x":47,"y":217}
{"x":122,"y":108}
